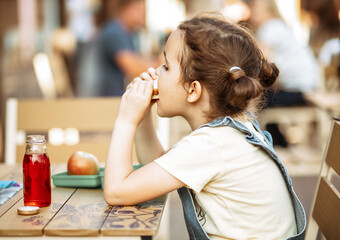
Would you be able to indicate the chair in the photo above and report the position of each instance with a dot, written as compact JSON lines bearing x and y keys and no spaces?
{"x":70,"y":124}
{"x":325,"y":211}
{"x":52,"y":76}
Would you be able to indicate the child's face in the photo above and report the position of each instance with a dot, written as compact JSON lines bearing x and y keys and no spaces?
{"x":172,"y":95}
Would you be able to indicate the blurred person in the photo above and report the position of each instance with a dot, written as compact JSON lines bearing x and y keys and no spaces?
{"x":299,"y":69}
{"x":80,"y":15}
{"x":235,"y":10}
{"x":117,"y":54}
{"x":324,"y":21}
{"x":324,"y":24}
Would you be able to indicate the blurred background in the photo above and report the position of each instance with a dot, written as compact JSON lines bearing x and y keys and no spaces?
{"x":55,"y":49}
{"x":52,"y":48}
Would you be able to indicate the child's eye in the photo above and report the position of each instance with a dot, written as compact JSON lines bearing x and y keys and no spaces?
{"x":165,"y":67}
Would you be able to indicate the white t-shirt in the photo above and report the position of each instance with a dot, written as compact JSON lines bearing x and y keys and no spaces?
{"x":237,"y":185}
{"x":299,"y":69}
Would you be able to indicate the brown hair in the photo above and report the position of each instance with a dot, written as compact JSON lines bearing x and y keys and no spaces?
{"x":211,"y":47}
{"x":111,"y":8}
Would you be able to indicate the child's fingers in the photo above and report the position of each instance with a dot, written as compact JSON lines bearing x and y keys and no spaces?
{"x":142,"y":84}
{"x":143,"y":88}
{"x":152,"y":73}
{"x":148,"y":90}
{"x":136,"y":85}
{"x":145,"y":76}
{"x":139,"y":86}
{"x":135,"y":80}
{"x":131,"y":84}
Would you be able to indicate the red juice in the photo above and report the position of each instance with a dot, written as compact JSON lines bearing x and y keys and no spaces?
{"x":37,"y":180}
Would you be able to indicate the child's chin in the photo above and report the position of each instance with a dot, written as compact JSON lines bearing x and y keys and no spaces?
{"x":160,"y":113}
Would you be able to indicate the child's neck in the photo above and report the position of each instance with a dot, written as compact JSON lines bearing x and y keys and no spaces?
{"x":196,"y":122}
{"x":197,"y":115}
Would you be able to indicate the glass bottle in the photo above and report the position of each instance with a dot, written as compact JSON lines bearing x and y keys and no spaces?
{"x":36,"y":172}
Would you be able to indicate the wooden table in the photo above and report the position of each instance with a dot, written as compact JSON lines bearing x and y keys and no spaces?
{"x":78,"y":212}
{"x":327,"y":101}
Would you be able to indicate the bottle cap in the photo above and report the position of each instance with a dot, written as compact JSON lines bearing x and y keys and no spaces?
{"x":28,"y":210}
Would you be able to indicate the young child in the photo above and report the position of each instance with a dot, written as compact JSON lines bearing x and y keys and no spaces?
{"x":213,"y":76}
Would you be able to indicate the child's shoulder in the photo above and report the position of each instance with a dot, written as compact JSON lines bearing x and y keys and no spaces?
{"x":216,"y":134}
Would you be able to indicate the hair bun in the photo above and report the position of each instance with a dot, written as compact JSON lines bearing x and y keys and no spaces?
{"x":241,"y":90}
{"x":235,"y":74}
{"x":268,"y":73}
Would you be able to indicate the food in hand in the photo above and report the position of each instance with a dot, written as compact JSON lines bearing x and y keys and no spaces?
{"x":155,"y":89}
{"x":83,"y":163}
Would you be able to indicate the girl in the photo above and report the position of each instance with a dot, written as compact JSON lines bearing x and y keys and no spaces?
{"x":213,"y":76}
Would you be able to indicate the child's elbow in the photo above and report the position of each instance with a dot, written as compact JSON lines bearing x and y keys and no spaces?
{"x":115,"y":196}
{"x":111,"y":196}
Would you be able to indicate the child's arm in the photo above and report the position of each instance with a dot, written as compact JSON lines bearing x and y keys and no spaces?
{"x":148,"y":146}
{"x":122,"y":185}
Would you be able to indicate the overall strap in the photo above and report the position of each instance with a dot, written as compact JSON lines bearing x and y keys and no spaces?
{"x":192,"y":223}
{"x":195,"y":230}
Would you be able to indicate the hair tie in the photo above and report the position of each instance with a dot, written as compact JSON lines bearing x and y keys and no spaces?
{"x":234,"y":68}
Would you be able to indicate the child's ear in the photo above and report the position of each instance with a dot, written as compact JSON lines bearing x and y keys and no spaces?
{"x":194,"y":91}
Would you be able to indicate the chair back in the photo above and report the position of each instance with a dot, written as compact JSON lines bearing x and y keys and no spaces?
{"x":325,"y":211}
{"x":70,"y":124}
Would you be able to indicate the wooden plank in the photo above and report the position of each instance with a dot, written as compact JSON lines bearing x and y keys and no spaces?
{"x":4,"y":170}
{"x":86,"y":114}
{"x":11,"y":202}
{"x":16,"y":175}
{"x":83,"y":215}
{"x":12,"y":224}
{"x":333,"y":152}
{"x":329,"y":101}
{"x":71,"y":238}
{"x":327,"y":209}
{"x":140,"y":220}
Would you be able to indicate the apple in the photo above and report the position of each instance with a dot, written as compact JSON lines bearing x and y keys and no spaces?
{"x":82,"y":163}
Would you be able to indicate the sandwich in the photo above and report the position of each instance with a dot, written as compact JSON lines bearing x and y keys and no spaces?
{"x":155,"y":89}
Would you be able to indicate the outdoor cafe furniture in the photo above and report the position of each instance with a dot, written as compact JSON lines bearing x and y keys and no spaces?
{"x":77,"y":212}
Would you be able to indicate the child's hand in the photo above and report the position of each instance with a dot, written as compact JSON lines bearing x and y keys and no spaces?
{"x":148,"y":76}
{"x":136,"y":101}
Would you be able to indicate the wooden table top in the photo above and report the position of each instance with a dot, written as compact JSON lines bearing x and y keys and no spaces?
{"x":77,"y":212}
{"x":329,"y":101}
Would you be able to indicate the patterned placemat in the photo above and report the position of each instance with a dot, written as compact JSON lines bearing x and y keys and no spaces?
{"x":8,"y":191}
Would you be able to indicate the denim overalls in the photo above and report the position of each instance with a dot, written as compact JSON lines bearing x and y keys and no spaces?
{"x":195,"y":229}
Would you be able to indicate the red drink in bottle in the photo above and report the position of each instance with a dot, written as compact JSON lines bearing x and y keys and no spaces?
{"x":36,"y":173}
